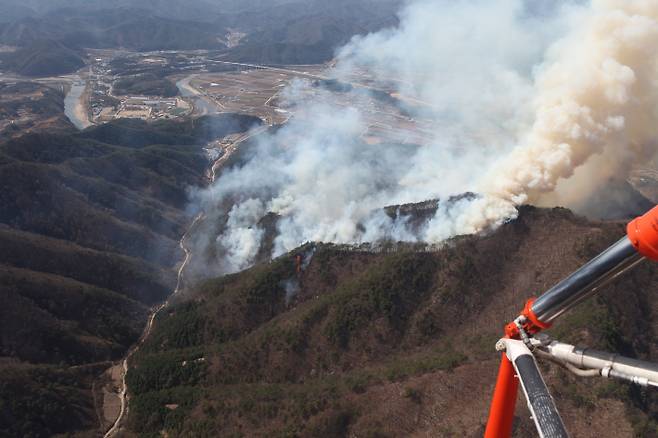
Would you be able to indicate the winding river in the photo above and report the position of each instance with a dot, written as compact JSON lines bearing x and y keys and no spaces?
{"x":202,"y":104}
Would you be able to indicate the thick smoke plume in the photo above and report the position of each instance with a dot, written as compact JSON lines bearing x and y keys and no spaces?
{"x":596,"y":94}
{"x":519,"y":97}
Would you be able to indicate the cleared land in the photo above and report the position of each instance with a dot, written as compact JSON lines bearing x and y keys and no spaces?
{"x":259,"y":91}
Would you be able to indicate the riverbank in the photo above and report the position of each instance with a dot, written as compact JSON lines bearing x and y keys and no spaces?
{"x":203,"y":105}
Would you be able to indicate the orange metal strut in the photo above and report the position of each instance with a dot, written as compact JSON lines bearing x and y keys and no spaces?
{"x":643,"y":234}
{"x":531,"y":325}
{"x":501,"y":414}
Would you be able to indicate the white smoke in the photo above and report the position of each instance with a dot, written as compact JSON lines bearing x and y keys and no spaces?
{"x":242,"y":238}
{"x":518,"y":99}
{"x":596,"y":94}
{"x":291,"y":286}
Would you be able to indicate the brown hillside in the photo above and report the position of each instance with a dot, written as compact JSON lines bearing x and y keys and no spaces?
{"x":90,"y":224}
{"x":382,"y":344}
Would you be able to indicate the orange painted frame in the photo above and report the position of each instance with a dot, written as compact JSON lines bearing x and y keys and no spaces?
{"x":501,"y":414}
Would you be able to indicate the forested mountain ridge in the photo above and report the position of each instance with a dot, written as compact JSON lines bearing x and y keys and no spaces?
{"x":390,"y":342}
{"x":89,"y":230}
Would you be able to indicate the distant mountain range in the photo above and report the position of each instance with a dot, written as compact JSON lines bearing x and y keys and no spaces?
{"x":42,"y":58}
{"x":135,"y":29}
{"x":204,"y":10}
{"x":283,"y":32}
{"x":303,"y":34}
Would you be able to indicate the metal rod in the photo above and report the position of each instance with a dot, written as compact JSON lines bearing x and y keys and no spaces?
{"x":586,"y":281}
{"x":542,"y":406}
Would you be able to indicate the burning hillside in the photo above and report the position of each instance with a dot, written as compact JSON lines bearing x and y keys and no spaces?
{"x":518,"y":105}
{"x":389,"y":343}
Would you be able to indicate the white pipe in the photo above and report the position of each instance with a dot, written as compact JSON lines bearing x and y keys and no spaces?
{"x":611,"y":365}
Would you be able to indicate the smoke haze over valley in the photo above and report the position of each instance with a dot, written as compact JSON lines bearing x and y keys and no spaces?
{"x":518,"y":99}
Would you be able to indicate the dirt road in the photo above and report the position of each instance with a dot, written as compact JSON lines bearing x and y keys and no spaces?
{"x":147,"y":331}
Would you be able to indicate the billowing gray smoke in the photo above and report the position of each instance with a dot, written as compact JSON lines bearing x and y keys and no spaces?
{"x":519,"y":99}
